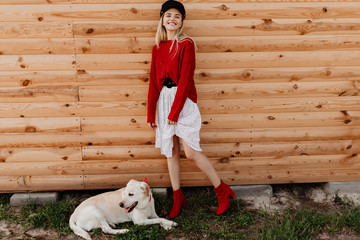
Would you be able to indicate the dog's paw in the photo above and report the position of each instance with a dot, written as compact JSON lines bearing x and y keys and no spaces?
{"x":123,"y":231}
{"x":168,"y":225}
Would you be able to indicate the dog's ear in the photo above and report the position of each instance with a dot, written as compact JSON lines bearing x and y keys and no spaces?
{"x":146,"y":188}
{"x":130,"y":182}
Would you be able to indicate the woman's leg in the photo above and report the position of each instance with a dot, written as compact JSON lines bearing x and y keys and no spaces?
{"x":203,"y":163}
{"x":174,"y":164}
{"x":174,"y":172}
{"x":223,"y":191}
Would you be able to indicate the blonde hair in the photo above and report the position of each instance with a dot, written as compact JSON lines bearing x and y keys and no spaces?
{"x":161,"y":35}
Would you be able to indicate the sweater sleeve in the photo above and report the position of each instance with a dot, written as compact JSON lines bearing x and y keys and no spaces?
{"x":153,"y":93}
{"x":185,"y":80}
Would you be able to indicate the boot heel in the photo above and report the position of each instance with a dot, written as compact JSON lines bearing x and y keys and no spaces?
{"x":223,"y":193}
{"x":232,"y":194}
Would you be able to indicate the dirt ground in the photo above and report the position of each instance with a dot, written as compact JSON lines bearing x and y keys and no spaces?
{"x":283,"y":197}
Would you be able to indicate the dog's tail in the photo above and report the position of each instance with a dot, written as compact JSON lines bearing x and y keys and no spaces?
{"x":78,"y":230}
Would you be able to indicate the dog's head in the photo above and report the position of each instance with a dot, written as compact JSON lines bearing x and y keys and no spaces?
{"x":135,"y":195}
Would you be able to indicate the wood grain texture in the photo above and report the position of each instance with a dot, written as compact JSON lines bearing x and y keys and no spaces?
{"x":32,"y":125}
{"x":37,"y":46}
{"x":277,"y":82}
{"x":228,"y":91}
{"x":32,"y":183}
{"x":37,"y":62}
{"x":195,"y":11}
{"x":37,"y":78}
{"x":218,"y":44}
{"x":22,"y":30}
{"x":39,"y":94}
{"x":35,"y":155}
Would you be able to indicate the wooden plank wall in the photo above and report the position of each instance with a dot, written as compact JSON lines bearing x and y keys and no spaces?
{"x":278,"y":85}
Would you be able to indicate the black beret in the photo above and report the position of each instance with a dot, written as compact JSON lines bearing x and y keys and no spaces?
{"x":173,"y":4}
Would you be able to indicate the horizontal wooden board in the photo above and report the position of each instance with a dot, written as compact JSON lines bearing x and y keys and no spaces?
{"x":113,"y":77}
{"x":216,"y":28}
{"x":232,"y":178}
{"x":112,"y":93}
{"x":120,"y":123}
{"x":113,"y":61}
{"x":41,"y":140}
{"x":39,"y":94}
{"x":218,"y":44}
{"x":125,"y":108}
{"x":231,"y":121}
{"x":207,"y":107}
{"x":315,"y":10}
{"x":37,"y":46}
{"x":118,"y":138}
{"x":221,"y":76}
{"x":228,"y":91}
{"x":284,"y":74}
{"x":225,"y":60}
{"x":260,"y":149}
{"x":65,"y":109}
{"x":298,"y":43}
{"x":277,"y":59}
{"x":48,"y":183}
{"x":40,"y":183}
{"x":35,"y":155}
{"x":39,"y":109}
{"x":114,"y":45}
{"x":226,"y":151}
{"x":194,"y":28}
{"x":301,"y":59}
{"x":41,"y":168}
{"x":195,"y":11}
{"x":125,"y":153}
{"x":38,"y":78}
{"x":280,"y":120}
{"x":73,"y":139}
{"x":244,"y":164}
{"x":273,"y":27}
{"x":280,"y":134}
{"x":279,"y":105}
{"x":13,"y":30}
{"x":32,"y":125}
{"x":37,"y":62}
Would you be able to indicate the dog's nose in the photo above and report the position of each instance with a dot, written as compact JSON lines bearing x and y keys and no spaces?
{"x":121,"y":204}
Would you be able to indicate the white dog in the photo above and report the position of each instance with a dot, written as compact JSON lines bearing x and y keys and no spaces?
{"x":132,"y":203}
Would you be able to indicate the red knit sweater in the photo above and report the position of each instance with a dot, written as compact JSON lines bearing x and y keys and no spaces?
{"x":180,"y":68}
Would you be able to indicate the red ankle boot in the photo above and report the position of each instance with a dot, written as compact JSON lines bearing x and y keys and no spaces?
{"x":178,"y":200}
{"x":223,"y":193}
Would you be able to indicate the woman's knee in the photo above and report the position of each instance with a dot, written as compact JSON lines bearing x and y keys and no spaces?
{"x":191,"y":154}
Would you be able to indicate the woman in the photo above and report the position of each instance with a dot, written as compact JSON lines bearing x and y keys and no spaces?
{"x":172,"y":96}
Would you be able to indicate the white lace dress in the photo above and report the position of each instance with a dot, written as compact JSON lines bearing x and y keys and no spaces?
{"x":187,"y":127}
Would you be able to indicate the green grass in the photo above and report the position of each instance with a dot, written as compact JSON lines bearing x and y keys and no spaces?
{"x":53,"y":215}
{"x":198,"y":222}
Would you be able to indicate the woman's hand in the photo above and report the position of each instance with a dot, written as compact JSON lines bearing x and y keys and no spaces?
{"x":152,"y":125}
{"x":171,"y":122}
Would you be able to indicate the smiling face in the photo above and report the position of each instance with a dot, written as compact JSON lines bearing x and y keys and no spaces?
{"x":172,"y":20}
